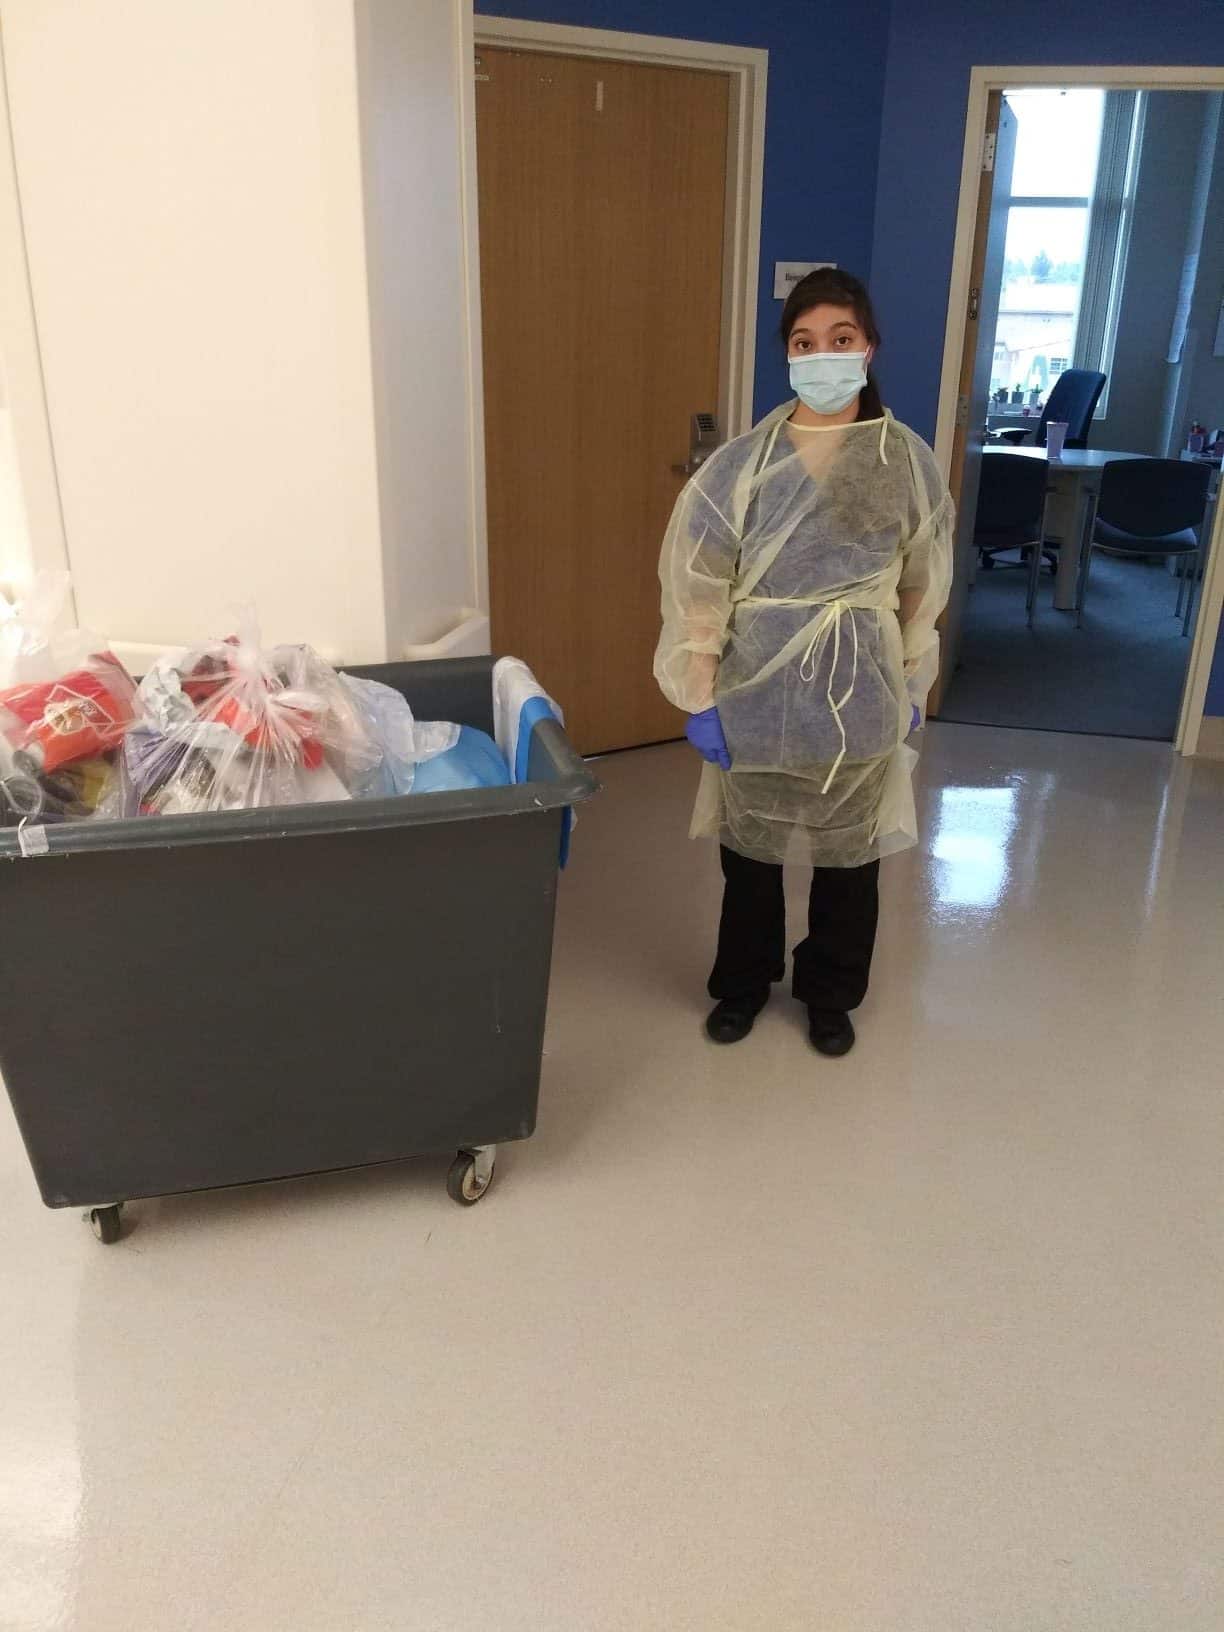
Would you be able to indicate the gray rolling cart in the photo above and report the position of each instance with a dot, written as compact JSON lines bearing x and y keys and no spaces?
{"x":191,"y":1002}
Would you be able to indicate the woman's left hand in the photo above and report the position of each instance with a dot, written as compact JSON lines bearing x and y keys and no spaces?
{"x":915,"y":719}
{"x":705,"y":732}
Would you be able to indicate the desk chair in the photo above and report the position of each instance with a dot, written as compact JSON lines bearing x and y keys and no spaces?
{"x":1074,"y":398}
{"x":1150,"y":507}
{"x":1011,"y":513}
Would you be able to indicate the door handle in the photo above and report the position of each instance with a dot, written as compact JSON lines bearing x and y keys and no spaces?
{"x":704,"y":437}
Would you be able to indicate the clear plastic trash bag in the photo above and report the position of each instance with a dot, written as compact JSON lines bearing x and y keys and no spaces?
{"x":230,"y":726}
{"x":65,"y":705}
{"x":404,"y":742}
{"x":422,"y":756}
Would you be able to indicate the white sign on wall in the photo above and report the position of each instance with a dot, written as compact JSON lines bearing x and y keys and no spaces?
{"x":788,"y":273}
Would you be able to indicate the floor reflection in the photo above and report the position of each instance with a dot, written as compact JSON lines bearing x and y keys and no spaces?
{"x":971,"y":844}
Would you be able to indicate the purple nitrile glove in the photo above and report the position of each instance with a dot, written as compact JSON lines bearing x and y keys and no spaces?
{"x":705,"y":732}
{"x":915,"y":719}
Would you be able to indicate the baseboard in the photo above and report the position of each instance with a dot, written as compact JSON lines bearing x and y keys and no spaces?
{"x":1211,"y":738}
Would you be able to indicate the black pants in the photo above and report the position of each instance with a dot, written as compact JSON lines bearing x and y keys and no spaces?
{"x":831,"y":967}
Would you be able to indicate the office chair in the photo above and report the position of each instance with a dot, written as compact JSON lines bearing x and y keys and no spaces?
{"x":1074,"y":398}
{"x":1150,"y":507}
{"x":1010,"y":513}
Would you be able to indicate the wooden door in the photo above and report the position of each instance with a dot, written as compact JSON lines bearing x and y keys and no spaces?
{"x":602,"y":204}
{"x":973,"y":391}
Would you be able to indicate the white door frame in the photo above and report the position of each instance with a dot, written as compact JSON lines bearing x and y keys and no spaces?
{"x":747,"y":70}
{"x":981,"y":82}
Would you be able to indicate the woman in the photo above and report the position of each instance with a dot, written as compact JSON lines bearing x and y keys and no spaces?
{"x":803,"y":571}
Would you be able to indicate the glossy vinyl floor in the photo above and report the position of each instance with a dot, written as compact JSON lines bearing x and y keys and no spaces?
{"x":926,"y":1340}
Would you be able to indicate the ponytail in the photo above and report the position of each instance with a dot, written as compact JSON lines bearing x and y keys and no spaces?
{"x":871,"y":403}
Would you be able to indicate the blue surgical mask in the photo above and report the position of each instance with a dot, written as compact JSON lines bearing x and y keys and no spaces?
{"x":828,"y":381}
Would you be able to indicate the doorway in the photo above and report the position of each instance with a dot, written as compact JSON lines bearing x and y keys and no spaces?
{"x":1107,"y":273}
{"x":617,"y":214}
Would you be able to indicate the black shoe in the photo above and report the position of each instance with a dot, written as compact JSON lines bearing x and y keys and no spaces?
{"x":735,"y":1017}
{"x":831,"y":1032}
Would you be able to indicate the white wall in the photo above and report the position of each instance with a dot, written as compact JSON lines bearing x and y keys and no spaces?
{"x":14,"y":524}
{"x":416,"y":125}
{"x":190,"y":181}
{"x":29,"y":498}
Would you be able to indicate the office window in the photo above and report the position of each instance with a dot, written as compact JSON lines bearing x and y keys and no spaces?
{"x":1067,"y":228}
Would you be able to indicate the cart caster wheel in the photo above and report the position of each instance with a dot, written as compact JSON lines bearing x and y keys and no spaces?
{"x":465,"y":1183}
{"x":106,"y":1224}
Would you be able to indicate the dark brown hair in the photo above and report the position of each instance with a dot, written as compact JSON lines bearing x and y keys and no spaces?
{"x":830,"y":286}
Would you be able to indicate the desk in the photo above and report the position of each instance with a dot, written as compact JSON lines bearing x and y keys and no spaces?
{"x":1076,"y":478}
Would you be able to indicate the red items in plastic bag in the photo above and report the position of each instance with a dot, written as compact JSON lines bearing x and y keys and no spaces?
{"x":80,"y":715}
{"x":291,"y":724}
{"x":232,"y":726}
{"x":66,"y":703}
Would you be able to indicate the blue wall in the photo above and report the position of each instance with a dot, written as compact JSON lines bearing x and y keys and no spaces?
{"x":1215,"y":686}
{"x":932,"y":46}
{"x":822,"y":133}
